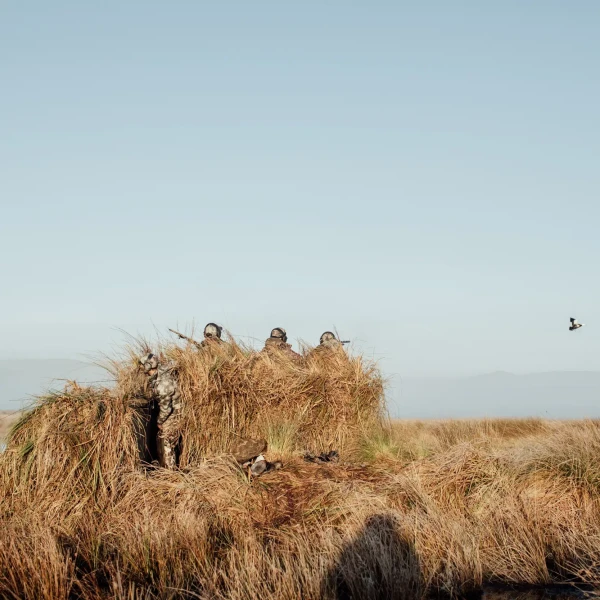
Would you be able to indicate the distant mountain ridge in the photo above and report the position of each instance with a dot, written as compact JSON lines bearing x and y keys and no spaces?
{"x":554,"y":394}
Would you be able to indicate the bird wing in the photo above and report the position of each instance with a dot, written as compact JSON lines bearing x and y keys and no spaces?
{"x":573,"y":321}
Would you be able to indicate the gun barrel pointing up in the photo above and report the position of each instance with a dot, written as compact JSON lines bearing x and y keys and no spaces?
{"x":185,"y":337}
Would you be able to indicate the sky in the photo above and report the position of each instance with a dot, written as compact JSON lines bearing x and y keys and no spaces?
{"x":423,"y":177}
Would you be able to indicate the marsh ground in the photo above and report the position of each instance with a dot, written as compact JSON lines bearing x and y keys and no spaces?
{"x":413,"y":509}
{"x":420,"y":508}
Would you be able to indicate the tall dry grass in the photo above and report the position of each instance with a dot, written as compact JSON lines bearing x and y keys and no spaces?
{"x":413,"y":508}
{"x":229,"y":392}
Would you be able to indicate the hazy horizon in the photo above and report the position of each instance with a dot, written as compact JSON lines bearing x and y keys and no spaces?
{"x":421,"y":177}
{"x":557,"y":395}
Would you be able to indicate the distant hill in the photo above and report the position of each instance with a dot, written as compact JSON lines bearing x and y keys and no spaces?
{"x":556,"y":395}
{"x":20,"y":380}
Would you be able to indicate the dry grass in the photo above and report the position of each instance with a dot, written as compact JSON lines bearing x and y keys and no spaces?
{"x":414,"y":508}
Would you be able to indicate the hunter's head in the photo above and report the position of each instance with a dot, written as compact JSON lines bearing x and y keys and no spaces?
{"x":329,"y":340}
{"x":279,"y":333}
{"x":212,"y":330}
{"x":149,"y":363}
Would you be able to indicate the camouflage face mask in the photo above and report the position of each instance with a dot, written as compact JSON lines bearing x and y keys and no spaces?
{"x":328,"y":336}
{"x":212,"y":330}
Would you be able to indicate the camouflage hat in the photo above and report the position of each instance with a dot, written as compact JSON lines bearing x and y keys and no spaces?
{"x":149,"y":362}
{"x":328,"y":336}
{"x":212,"y":330}
{"x":279,"y":332}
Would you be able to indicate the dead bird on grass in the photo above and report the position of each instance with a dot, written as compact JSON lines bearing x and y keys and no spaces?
{"x":332,"y":456}
{"x":261,"y":465}
{"x":249,"y":454}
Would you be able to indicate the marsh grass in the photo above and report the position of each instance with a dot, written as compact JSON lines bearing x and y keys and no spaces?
{"x":414,"y":507}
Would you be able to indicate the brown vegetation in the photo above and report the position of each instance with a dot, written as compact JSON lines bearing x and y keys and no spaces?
{"x":413,"y":508}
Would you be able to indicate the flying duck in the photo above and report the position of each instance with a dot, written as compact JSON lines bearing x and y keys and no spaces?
{"x":575,"y":325}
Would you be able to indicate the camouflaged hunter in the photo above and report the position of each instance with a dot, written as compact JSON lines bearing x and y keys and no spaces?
{"x":328,"y":340}
{"x":212,"y":335}
{"x":277,"y":342}
{"x":163,"y":383}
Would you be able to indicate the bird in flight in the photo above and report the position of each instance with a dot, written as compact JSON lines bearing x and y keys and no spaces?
{"x":575,"y":325}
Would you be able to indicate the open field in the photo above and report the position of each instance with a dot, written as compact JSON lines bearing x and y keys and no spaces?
{"x":412,"y":509}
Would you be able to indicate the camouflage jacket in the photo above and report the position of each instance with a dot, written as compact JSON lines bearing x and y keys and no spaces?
{"x":211,"y":342}
{"x":166,"y":392}
{"x":327,"y":349}
{"x":278,"y":345}
{"x":331,"y":344}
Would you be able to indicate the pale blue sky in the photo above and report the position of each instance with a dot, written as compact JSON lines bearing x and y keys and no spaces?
{"x":423,"y":176}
